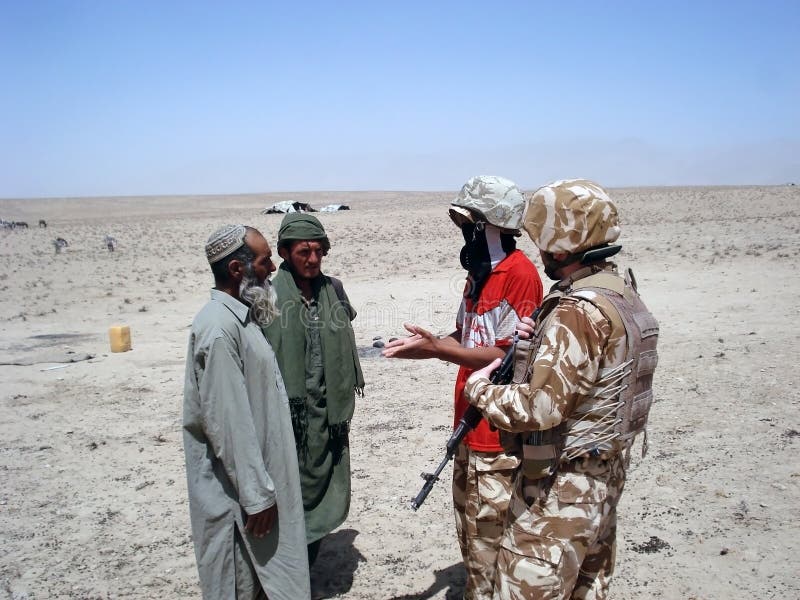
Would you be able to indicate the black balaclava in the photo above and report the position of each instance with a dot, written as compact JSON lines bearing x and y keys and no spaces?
{"x":475,"y":258}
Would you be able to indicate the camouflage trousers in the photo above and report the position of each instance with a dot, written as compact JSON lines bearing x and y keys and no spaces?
{"x":482,"y":484}
{"x":560,"y":540}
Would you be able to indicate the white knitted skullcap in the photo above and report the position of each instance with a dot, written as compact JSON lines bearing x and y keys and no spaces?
{"x":224,"y":241}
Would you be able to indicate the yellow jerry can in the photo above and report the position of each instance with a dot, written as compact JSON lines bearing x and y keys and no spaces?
{"x":120,"y":338}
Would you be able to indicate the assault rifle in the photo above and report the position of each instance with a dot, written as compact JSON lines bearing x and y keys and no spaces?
{"x":500,"y":376}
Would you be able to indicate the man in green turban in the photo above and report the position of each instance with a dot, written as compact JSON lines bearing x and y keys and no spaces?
{"x":315,"y":346}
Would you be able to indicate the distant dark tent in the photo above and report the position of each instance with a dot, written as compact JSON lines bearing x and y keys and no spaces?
{"x":287,"y":207}
{"x":334,"y":208}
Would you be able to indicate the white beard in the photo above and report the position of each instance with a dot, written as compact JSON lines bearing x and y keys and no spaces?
{"x":262,"y":298}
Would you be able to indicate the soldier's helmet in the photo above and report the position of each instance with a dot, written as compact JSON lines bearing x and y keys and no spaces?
{"x":496,"y":200}
{"x":572,"y":216}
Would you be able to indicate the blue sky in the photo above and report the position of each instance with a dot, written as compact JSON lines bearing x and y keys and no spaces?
{"x":130,"y":98}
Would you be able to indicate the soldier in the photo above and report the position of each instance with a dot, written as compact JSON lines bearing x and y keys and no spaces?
{"x":584,"y":395}
{"x":502,"y":286}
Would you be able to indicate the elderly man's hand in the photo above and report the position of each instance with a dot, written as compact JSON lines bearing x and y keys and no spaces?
{"x":260,"y":524}
{"x":420,"y":344}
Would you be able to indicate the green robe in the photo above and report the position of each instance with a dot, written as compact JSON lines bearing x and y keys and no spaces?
{"x":321,"y":396}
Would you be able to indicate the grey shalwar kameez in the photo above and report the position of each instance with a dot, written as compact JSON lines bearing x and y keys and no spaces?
{"x":240,"y":458}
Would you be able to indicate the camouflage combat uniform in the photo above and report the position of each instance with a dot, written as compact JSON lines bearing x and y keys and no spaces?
{"x":561,"y":529}
{"x":561,"y":415}
{"x":482,"y":486}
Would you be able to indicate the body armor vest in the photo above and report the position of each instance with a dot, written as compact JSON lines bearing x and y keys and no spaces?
{"x":606,"y":422}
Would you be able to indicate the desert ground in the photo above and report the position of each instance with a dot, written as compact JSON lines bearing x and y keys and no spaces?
{"x":93,"y":499}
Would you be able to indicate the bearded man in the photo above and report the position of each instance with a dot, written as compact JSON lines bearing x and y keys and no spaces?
{"x":241,"y":467}
{"x":315,"y":345}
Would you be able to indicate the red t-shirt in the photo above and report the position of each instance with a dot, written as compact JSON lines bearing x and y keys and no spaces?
{"x":513,"y":290}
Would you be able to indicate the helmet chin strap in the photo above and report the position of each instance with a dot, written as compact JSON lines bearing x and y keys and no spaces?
{"x":587,"y":257}
{"x":599,"y":253}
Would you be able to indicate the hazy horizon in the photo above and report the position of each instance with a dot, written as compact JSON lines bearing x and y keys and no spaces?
{"x":360,"y":192}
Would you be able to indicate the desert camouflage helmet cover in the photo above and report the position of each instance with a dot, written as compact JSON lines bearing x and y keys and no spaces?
{"x":571,"y":215}
{"x":496,"y":199}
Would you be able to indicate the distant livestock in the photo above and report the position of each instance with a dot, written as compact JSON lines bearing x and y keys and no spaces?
{"x":334,"y":208}
{"x":13,"y":224}
{"x":42,"y":223}
{"x":59,"y":244}
{"x":110,"y":243}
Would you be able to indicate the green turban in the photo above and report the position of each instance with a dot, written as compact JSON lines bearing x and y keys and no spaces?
{"x":301,"y":226}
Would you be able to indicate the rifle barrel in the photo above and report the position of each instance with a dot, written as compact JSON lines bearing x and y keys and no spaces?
{"x":430,"y":479}
{"x":472,"y":416}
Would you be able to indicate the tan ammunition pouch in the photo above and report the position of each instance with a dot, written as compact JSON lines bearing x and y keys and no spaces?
{"x":521,"y":353}
{"x":540,"y":453}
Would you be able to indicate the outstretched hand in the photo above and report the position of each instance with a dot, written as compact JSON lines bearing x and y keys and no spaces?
{"x":420,"y":344}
